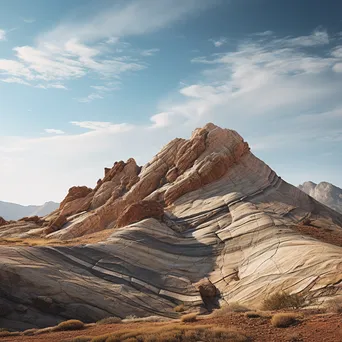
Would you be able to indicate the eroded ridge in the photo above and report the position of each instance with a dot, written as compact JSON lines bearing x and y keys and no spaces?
{"x":205,"y":213}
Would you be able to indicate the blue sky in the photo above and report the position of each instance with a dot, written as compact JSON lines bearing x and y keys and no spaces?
{"x":85,"y":83}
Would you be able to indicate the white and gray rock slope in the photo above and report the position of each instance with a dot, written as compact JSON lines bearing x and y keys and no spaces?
{"x":324,"y":192}
{"x":227,"y":217}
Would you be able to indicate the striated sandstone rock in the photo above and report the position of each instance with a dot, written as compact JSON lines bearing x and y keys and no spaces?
{"x":34,"y":219}
{"x":55,"y":225}
{"x":229,"y":233}
{"x":139,"y":211}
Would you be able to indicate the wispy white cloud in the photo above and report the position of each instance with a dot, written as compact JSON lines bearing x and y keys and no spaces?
{"x":2,"y":35}
{"x":103,"y":126}
{"x":283,"y":98}
{"x":89,"y":45}
{"x":133,"y":18}
{"x":149,"y":52}
{"x":263,"y":34}
{"x":317,"y":38}
{"x":54,"y":131}
{"x":29,"y":20}
{"x":219,"y":42}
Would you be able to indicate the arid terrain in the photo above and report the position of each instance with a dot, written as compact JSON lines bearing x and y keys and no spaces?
{"x":309,"y":327}
{"x":204,"y":225}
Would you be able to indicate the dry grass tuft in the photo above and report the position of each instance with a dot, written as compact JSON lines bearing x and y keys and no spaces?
{"x":179,"y":308}
{"x":227,"y":309}
{"x":283,"y":320}
{"x":175,"y":332}
{"x":147,"y":319}
{"x":44,"y":330}
{"x":30,"y":332}
{"x":72,"y":324}
{"x":334,"y":305}
{"x":109,"y":320}
{"x":283,"y":300}
{"x":191,"y":317}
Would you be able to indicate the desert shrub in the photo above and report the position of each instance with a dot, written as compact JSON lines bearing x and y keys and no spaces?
{"x":109,"y":320}
{"x":283,"y":300}
{"x":283,"y":320}
{"x":178,"y":332}
{"x":72,"y":324}
{"x":44,"y":330}
{"x":179,"y":308}
{"x":30,"y":332}
{"x":252,"y":314}
{"x":334,"y":305}
{"x":146,"y":319}
{"x":191,"y":317}
{"x":131,"y":317}
{"x":3,"y":329}
{"x":232,"y":307}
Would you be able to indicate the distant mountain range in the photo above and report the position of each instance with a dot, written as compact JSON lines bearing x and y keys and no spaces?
{"x":13,"y":211}
{"x":324,"y":192}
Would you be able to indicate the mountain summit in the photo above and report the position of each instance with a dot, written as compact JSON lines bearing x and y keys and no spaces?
{"x":203,"y":223}
{"x":324,"y":192}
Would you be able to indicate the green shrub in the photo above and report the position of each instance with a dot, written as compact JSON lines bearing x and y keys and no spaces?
{"x":283,"y":300}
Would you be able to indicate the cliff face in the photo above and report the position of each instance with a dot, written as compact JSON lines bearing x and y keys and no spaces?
{"x":204,"y":213}
{"x":324,"y":192}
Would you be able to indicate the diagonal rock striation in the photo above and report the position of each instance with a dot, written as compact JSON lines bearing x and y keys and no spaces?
{"x":204,"y":223}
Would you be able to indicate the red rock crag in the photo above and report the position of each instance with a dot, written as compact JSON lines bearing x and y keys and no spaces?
{"x":127,"y":190}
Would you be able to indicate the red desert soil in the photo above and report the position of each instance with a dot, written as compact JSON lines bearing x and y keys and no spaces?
{"x":312,"y":328}
{"x":322,"y":234}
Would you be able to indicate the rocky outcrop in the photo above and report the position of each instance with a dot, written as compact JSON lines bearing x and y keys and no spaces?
{"x":74,"y":193}
{"x":3,"y":222}
{"x":216,"y":227}
{"x":140,"y":211}
{"x":324,"y":192}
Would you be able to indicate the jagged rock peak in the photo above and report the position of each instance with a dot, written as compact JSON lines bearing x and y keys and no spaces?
{"x":182,"y":166}
{"x":324,"y":192}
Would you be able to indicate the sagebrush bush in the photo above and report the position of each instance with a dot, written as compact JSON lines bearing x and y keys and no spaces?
{"x":72,"y":324}
{"x":109,"y":320}
{"x":283,"y":320}
{"x":283,"y":300}
{"x":191,"y":317}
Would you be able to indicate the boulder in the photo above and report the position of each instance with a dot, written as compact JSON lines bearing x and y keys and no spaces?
{"x":139,"y":211}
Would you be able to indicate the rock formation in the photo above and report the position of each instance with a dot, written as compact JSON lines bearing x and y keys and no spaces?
{"x":324,"y":192}
{"x":204,"y":223}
